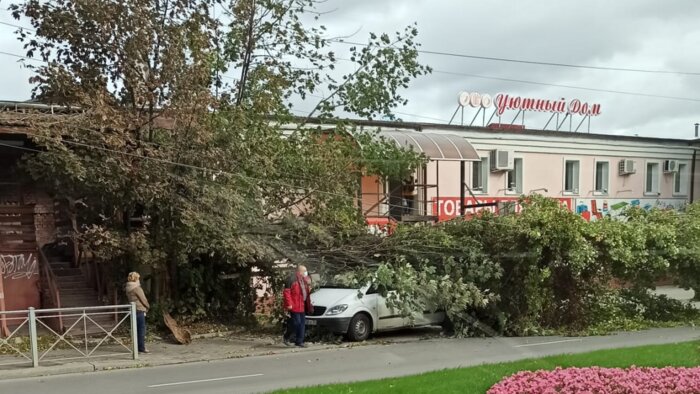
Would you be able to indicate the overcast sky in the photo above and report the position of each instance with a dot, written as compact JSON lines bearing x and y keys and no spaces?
{"x":641,"y":34}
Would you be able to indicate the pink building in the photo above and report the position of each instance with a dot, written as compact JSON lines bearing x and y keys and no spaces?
{"x":595,"y":175}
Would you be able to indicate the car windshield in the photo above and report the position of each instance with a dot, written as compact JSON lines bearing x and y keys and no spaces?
{"x":332,"y":285}
{"x":338,"y":281}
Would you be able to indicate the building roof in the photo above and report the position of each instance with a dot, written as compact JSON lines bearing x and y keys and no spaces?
{"x":434,"y":146}
{"x":416,"y":126}
{"x":419,"y":126}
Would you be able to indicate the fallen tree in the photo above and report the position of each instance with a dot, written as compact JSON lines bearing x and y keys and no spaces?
{"x":541,"y":270}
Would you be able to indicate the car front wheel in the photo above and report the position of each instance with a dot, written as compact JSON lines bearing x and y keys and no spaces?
{"x":360,"y":327}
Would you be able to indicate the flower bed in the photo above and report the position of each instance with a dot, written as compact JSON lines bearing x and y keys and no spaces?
{"x":597,"y":380}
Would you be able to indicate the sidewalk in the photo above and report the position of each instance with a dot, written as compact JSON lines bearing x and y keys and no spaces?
{"x":209,"y":347}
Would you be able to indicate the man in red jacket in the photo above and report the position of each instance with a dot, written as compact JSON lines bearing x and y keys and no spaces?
{"x":297,"y":301}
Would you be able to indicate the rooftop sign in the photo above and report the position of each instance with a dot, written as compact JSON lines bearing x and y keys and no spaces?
{"x":503,"y":102}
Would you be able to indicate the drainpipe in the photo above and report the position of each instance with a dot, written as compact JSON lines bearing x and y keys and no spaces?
{"x":692,"y":172}
{"x":692,"y":166}
{"x":4,"y":331}
{"x":462,"y":173}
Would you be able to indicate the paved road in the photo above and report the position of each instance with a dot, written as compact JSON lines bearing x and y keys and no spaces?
{"x":260,"y":374}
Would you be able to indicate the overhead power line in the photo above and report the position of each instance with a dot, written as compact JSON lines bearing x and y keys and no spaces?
{"x":492,"y":58}
{"x":394,"y":112}
{"x":628,"y":93}
{"x":639,"y":94}
{"x":17,"y":26}
{"x":21,"y":57}
{"x":622,"y":92}
{"x":539,"y":63}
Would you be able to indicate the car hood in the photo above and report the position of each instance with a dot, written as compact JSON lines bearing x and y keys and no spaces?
{"x":332,"y":297}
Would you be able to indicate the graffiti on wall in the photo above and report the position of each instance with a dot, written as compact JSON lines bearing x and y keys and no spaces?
{"x":594,"y":209}
{"x":18,"y":266}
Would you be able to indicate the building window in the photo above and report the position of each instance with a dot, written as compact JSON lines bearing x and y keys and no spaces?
{"x":680,"y":184}
{"x":602,"y":177}
{"x":480,"y":175}
{"x":571,"y":172}
{"x":515,"y":178}
{"x":652,"y":179}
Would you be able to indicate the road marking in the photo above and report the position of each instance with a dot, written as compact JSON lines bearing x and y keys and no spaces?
{"x":549,"y":343}
{"x":203,"y":381}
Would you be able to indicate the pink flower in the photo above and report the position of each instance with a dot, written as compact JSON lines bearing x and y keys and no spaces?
{"x":596,"y":380}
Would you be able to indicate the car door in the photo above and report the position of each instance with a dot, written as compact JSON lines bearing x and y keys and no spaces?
{"x":431,"y":318}
{"x":419,"y":319}
{"x":424,"y":318}
{"x":387,"y":318}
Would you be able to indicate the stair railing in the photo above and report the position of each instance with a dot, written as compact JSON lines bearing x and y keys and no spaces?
{"x":52,"y":285}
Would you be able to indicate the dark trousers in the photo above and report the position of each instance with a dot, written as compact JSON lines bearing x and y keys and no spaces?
{"x":299,"y":324}
{"x":289,"y":330}
{"x":141,"y":330}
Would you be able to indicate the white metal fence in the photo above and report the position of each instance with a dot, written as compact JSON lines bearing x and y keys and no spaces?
{"x":86,"y":332}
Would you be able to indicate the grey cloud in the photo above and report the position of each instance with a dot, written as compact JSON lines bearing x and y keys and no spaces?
{"x":629,"y":34}
{"x":621,"y":33}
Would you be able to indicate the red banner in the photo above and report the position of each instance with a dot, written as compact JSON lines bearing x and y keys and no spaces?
{"x":448,"y":207}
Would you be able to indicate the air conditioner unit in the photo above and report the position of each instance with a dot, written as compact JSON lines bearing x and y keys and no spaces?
{"x":670,"y":166}
{"x":502,"y":160}
{"x":627,"y":167}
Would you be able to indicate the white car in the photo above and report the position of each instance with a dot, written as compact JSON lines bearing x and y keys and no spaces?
{"x":341,"y":310}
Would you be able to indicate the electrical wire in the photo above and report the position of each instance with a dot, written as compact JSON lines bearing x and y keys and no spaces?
{"x":621,"y":92}
{"x":540,"y":63}
{"x":488,"y":58}
{"x":571,"y":86}
{"x":17,"y":26}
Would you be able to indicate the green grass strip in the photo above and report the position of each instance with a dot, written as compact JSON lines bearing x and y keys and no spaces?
{"x":480,"y":378}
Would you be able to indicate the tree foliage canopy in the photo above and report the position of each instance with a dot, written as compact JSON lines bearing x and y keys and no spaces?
{"x":181,"y":117}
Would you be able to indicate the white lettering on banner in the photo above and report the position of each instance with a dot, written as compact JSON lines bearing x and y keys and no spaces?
{"x":18,"y":266}
{"x":506,"y":102}
{"x":449,"y":207}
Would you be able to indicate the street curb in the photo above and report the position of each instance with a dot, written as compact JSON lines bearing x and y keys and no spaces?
{"x":144,"y":362}
{"x":29,"y":372}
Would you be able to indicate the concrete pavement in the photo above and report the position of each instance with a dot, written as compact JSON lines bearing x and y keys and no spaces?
{"x":67,"y":361}
{"x":209,"y":347}
{"x":313,"y":367}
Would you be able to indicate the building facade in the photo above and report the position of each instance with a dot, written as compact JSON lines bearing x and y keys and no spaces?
{"x":468,"y":169}
{"x":595,"y":175}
